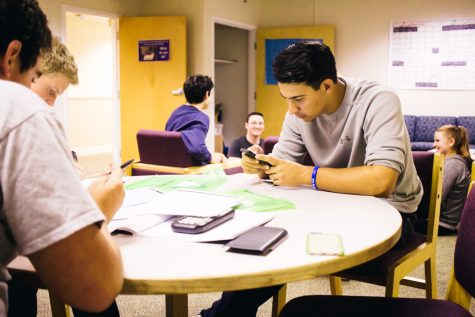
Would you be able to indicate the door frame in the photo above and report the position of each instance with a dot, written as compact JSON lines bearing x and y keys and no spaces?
{"x":115,"y":70}
{"x":251,"y":86}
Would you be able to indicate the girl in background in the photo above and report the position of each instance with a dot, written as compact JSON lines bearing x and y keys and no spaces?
{"x":452,"y":142}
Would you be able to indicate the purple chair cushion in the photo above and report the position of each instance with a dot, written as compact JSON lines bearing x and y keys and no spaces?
{"x":410,"y":125}
{"x":422,"y":146}
{"x":269,"y":143}
{"x":426,"y":126}
{"x":464,"y":261}
{"x":336,"y":306}
{"x":233,"y":170}
{"x":163,"y":148}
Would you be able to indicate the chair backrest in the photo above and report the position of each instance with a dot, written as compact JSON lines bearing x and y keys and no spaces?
{"x":269,"y":143}
{"x":163,"y":148}
{"x":464,"y":259}
{"x":430,"y":168}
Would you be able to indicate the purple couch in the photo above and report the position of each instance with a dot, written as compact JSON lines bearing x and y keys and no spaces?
{"x":421,"y":129}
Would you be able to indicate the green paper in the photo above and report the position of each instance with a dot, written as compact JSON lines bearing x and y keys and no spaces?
{"x":257,"y":202}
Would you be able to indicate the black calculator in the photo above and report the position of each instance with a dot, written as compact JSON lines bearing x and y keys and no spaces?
{"x":196,"y":224}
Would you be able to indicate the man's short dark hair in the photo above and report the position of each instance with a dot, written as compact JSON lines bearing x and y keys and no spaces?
{"x":196,"y":87}
{"x":307,"y":63}
{"x":255,"y":113}
{"x":24,"y":21}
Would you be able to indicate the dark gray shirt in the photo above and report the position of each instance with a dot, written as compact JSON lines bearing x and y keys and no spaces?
{"x":456,"y":181}
{"x":367,"y":129}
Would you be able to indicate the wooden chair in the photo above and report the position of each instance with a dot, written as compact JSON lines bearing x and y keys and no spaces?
{"x":22,"y":271}
{"x":392,"y":268}
{"x":461,"y":288}
{"x":163,"y":152}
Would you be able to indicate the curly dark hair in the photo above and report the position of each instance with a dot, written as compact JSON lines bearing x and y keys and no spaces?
{"x":308,"y":62}
{"x":195,"y":88}
{"x":24,"y":21}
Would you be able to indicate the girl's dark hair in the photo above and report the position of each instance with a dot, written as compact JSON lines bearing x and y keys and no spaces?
{"x":195,"y":88}
{"x":309,"y":63}
{"x":461,"y":141}
{"x":24,"y":21}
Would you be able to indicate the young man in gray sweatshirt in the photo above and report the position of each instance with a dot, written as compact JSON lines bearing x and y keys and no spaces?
{"x":354,"y":132}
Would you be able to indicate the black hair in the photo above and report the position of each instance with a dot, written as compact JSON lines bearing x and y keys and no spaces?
{"x":255,"y":113}
{"x":307,"y":63}
{"x":24,"y":21}
{"x":196,"y":87}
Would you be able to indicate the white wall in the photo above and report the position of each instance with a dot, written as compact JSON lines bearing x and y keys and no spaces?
{"x":362,"y":45}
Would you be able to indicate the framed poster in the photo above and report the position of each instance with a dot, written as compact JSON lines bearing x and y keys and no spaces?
{"x":154,"y":50}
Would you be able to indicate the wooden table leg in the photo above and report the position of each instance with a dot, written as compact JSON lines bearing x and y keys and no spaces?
{"x":176,"y":305}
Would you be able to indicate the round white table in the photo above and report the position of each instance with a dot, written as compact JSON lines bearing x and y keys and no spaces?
{"x":368,"y":226}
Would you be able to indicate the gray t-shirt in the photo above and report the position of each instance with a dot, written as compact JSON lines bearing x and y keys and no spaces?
{"x":43,"y":198}
{"x":456,"y":181}
{"x":367,"y":129}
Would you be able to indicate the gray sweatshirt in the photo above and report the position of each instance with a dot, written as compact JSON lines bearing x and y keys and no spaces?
{"x":367,"y":129}
{"x":457,"y":178}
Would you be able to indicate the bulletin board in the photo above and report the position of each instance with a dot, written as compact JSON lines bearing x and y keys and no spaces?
{"x":269,"y":101}
{"x":273,"y":48}
{"x":432,"y":55}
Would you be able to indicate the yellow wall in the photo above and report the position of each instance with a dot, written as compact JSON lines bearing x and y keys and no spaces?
{"x":145,"y":87}
{"x":269,"y":101}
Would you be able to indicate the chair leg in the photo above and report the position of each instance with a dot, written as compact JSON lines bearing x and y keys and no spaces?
{"x":431,"y":280}
{"x":279,"y":300}
{"x":335,"y":285}
{"x":393,"y":281}
{"x":58,"y":308}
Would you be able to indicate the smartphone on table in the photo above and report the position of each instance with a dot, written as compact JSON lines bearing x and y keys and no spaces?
{"x":197,"y":224}
{"x":251,"y":154}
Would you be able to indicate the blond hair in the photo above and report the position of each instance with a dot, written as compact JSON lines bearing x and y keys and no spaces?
{"x":460,"y":136}
{"x":60,"y":60}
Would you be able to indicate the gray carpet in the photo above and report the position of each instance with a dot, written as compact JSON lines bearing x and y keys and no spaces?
{"x":144,"y":306}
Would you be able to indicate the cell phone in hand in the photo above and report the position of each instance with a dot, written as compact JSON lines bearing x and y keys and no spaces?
{"x":196,"y":224}
{"x":251,"y":154}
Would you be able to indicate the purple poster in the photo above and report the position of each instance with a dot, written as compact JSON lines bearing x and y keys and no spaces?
{"x":154,"y":50}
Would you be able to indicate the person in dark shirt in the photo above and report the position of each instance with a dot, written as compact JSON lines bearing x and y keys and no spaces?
{"x":192,"y":122}
{"x":254,"y":126}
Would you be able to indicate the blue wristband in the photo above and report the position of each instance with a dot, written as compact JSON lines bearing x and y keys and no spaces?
{"x":314,"y":177}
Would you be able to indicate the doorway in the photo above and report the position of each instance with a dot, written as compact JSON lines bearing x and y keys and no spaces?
{"x":90,"y":109}
{"x":234,"y":78}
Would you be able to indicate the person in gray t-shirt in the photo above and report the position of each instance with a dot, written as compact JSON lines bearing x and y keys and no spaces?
{"x":452,"y":141}
{"x":352,"y":129}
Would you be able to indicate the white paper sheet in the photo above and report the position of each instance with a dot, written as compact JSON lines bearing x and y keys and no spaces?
{"x":179,"y":203}
{"x":242,"y":221}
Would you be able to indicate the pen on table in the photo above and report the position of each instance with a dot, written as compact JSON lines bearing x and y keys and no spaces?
{"x":124,"y":165}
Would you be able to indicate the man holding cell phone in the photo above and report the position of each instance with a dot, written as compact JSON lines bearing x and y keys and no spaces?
{"x":352,"y":129}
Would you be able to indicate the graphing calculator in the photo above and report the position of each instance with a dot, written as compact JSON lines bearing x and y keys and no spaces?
{"x":195,"y":224}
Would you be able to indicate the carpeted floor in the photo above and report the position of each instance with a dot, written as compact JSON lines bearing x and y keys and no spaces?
{"x":144,"y":306}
